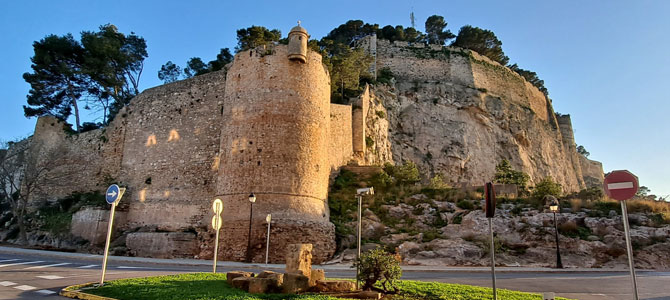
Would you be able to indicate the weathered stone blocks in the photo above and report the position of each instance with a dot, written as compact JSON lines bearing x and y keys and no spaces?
{"x":236,"y":274}
{"x":299,"y":259}
{"x":334,"y":286}
{"x":161,"y":244}
{"x":295,"y":283}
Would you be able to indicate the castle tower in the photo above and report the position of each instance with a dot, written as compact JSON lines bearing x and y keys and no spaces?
{"x":274,"y":143}
{"x":297,"y":43}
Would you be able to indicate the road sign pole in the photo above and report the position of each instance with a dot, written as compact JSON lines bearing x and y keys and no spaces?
{"x":216,"y":244}
{"x":624,"y":213}
{"x":109,"y":237}
{"x":358,"y":251}
{"x":493,"y":260}
{"x":267,"y":244}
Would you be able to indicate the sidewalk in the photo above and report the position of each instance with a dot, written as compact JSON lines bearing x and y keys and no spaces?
{"x":334,"y":267}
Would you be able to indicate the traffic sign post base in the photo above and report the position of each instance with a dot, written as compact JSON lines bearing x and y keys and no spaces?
{"x":629,"y":248}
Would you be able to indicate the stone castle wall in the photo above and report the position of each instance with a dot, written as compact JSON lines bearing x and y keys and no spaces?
{"x":457,"y":113}
{"x":274,"y":142}
{"x":170,"y":153}
{"x":340,"y":149}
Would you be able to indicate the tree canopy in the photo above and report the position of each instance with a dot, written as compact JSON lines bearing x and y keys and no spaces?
{"x":103,"y":70}
{"x":254,"y":36}
{"x":481,"y":41}
{"x":581,"y":150}
{"x":436,"y":32}
{"x":169,"y":72}
{"x":505,"y":174}
{"x":531,"y":77}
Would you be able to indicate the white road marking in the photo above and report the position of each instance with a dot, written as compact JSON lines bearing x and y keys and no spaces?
{"x":50,"y":277}
{"x":7,"y":283}
{"x":599,"y":295}
{"x":25,"y":287}
{"x":23,"y":263}
{"x":46,"y":292}
{"x":619,"y":185}
{"x":47,"y":266}
{"x":87,"y":267}
{"x":6,"y":260}
{"x":124,"y":267}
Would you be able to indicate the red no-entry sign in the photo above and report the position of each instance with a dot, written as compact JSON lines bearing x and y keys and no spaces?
{"x":620,"y":185}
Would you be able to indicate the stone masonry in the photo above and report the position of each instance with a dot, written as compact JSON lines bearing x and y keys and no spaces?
{"x":265,"y":125}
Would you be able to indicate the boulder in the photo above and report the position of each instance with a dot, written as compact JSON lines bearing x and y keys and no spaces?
{"x":262,"y":285}
{"x":316,"y":275}
{"x":299,"y":259}
{"x":266,"y":274}
{"x":295,"y":283}
{"x":242,"y":283}
{"x":235,"y":274}
{"x":331,"y":286}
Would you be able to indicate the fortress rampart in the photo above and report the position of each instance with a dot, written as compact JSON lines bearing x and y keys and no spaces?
{"x":265,"y":125}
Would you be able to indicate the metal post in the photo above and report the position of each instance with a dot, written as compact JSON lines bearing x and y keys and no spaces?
{"x":216,"y":242}
{"x":624,"y":213}
{"x":493,"y":261}
{"x":251,"y":213}
{"x":559,"y":263}
{"x":109,"y":237}
{"x":267,"y":245}
{"x":358,"y":255}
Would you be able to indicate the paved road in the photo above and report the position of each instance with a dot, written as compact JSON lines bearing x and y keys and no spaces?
{"x":40,"y":275}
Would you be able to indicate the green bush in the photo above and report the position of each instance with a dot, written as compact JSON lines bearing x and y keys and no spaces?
{"x":505,"y":174}
{"x":369,"y":142}
{"x":407,"y":173}
{"x":547,"y":187}
{"x":384,"y":75}
{"x":381,"y":114}
{"x":378,"y":266}
{"x":465,"y":204}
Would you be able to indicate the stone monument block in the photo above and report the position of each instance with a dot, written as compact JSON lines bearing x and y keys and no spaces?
{"x":295,"y":283}
{"x":316,"y":275}
{"x":299,"y":259}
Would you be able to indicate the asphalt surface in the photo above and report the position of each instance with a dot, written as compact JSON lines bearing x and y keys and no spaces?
{"x":41,"y":274}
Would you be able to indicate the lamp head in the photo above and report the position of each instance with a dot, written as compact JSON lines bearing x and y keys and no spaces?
{"x":252,"y":198}
{"x":365,"y":191}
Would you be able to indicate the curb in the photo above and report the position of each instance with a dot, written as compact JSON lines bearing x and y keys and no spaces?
{"x":74,"y":292}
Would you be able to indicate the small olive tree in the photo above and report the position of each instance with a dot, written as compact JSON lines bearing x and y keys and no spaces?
{"x":378,"y":266}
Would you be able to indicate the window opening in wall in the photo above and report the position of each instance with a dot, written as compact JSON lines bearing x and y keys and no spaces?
{"x":251,"y":53}
{"x":148,"y":180}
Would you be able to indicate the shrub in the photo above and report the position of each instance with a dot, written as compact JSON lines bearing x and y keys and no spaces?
{"x":437,"y":183}
{"x":505,"y":174}
{"x":465,"y":204}
{"x":384,"y":75}
{"x":369,"y":142}
{"x":407,"y":173}
{"x":547,"y":187}
{"x":377,"y":265}
{"x":381,"y":114}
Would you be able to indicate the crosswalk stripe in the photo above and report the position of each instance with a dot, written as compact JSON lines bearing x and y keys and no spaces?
{"x":47,"y":266}
{"x":6,"y":260}
{"x":50,"y":277}
{"x":7,"y":283}
{"x":23,"y":263}
{"x":124,"y":267}
{"x":87,"y":267}
{"x":46,"y":292}
{"x":25,"y":287}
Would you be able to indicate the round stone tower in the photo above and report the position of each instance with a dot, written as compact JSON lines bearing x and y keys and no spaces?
{"x":297,"y":43}
{"x":274,"y":139}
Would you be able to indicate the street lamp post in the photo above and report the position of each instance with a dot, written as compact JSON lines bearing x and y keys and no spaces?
{"x":554,"y":207}
{"x":252,"y":199}
{"x":359,"y":196}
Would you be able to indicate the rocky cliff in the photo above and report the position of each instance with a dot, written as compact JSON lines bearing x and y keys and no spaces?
{"x":456,"y":113}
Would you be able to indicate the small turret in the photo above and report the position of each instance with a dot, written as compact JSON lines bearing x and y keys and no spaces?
{"x":297,"y":43}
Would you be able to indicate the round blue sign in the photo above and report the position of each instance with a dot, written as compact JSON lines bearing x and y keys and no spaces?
{"x":113,"y":193}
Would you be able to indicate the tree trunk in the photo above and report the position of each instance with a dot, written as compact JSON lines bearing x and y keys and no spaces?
{"x":23,"y":237}
{"x":76,"y":107}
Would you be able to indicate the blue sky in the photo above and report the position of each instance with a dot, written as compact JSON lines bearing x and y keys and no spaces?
{"x":604,"y":62}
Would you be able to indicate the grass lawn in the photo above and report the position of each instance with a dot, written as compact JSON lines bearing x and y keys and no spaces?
{"x":207,"y":286}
